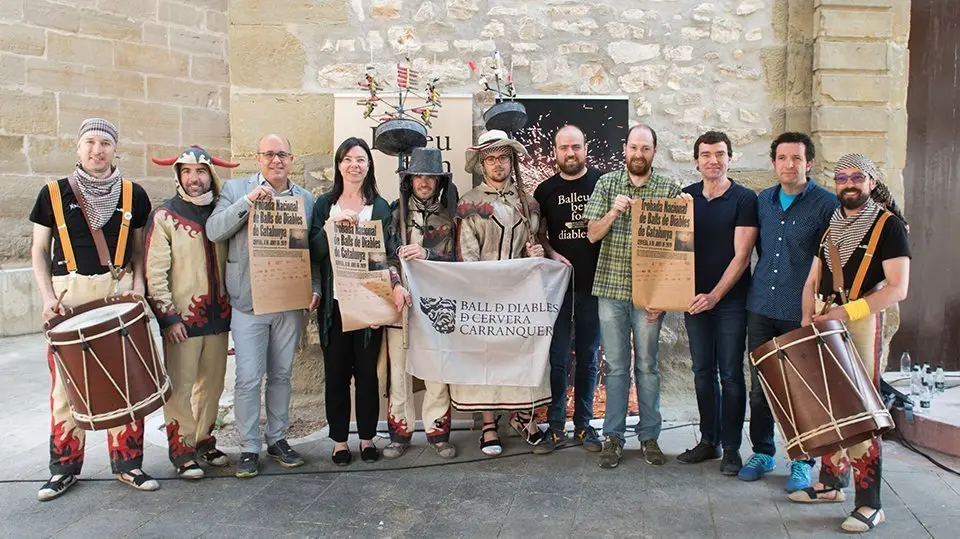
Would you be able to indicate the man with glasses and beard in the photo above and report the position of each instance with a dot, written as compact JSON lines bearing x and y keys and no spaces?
{"x":608,"y":219}
{"x":862,"y":267}
{"x":496,"y":221}
{"x":563,"y":234}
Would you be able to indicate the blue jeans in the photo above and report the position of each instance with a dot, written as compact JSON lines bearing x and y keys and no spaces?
{"x":586,"y":325}
{"x":717,"y":342}
{"x":617,"y":319}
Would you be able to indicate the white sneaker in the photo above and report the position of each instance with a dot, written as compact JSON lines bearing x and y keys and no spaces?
{"x":141,"y":481}
{"x":56,"y":486}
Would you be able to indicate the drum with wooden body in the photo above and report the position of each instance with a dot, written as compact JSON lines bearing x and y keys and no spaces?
{"x":818,"y":390}
{"x":107,"y":359}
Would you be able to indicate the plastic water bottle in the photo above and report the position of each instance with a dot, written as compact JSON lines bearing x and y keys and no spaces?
{"x":939,"y":381}
{"x":925,"y":375}
{"x":915,"y":381}
{"x":905,"y":363}
{"x":925,"y":398}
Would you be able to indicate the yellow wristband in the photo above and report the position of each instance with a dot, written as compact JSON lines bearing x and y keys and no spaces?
{"x":857,"y":309}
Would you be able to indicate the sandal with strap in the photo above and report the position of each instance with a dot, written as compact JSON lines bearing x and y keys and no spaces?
{"x":857,"y":523}
{"x":190,"y":470}
{"x":490,"y":448}
{"x":813,"y":495}
{"x":520,"y":421}
{"x":215,"y":457}
{"x":140,"y":481}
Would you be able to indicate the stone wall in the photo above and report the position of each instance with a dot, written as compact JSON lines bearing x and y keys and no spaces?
{"x":156,"y":68}
{"x":687,"y":65}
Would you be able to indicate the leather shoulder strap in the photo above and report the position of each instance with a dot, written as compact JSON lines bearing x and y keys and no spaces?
{"x":868,"y":255}
{"x":56,"y":201}
{"x":837,"y":271}
{"x":98,"y":240}
{"x":126,"y":197}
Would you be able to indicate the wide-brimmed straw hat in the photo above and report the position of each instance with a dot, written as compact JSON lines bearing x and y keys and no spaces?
{"x":488,"y":141}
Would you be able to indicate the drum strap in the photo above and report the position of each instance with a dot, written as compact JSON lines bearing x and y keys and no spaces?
{"x":57,"y":203}
{"x":868,"y":256}
{"x":116,"y":269}
{"x":837,"y":271}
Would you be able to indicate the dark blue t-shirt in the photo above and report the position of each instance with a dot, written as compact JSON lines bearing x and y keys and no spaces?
{"x":714,"y":225}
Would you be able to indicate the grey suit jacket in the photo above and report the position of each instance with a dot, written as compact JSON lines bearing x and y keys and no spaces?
{"x":228,"y":222}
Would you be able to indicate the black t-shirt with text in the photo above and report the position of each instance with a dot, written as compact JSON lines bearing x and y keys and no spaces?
{"x":85,"y":251}
{"x":893,"y":244}
{"x":561,"y":204}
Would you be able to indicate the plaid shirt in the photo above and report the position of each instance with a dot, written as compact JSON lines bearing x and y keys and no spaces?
{"x":613,"y":279}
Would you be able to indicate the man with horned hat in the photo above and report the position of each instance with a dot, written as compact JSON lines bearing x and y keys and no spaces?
{"x":93,"y":200}
{"x":861,"y":268}
{"x":422,"y":229}
{"x":186,"y":289}
{"x":498,"y":221}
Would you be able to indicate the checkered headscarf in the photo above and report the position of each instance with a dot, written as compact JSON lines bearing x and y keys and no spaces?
{"x":881,"y":194}
{"x":98,"y":126}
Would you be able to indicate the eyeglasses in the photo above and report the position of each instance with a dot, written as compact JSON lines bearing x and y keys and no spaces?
{"x":491,"y":159}
{"x":856,"y":177}
{"x":270,"y":155}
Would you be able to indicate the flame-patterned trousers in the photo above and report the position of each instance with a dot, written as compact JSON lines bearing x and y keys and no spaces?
{"x":196,"y":368}
{"x":402,"y":418}
{"x":67,"y":440}
{"x":862,"y":459}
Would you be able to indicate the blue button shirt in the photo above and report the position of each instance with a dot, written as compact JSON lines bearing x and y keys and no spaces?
{"x":786,"y":247}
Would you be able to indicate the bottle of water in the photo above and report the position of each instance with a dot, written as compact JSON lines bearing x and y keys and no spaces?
{"x":905,"y":363}
{"x":915,"y":381}
{"x":939,"y":381}
{"x":925,"y":398}
{"x":925,"y":375}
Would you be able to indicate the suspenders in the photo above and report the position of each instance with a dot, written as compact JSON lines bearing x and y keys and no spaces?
{"x":126,"y":196}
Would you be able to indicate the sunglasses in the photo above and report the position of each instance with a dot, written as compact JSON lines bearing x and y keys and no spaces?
{"x":856,"y":177}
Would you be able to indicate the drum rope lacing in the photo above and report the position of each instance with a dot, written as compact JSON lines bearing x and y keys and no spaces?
{"x":84,"y":341}
{"x":834,"y":424}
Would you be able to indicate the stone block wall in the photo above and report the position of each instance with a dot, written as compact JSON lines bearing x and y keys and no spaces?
{"x":860,"y":81}
{"x":156,"y":68}
{"x":687,"y":65}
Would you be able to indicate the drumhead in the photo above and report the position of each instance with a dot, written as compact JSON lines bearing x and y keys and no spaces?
{"x":95,"y":316}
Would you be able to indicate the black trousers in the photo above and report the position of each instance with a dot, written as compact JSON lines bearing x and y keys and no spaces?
{"x":351,"y":355}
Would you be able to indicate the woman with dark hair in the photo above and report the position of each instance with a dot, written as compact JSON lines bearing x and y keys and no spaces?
{"x":348,"y":354}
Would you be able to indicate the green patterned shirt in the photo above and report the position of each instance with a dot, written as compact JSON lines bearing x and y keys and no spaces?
{"x":613,"y":279}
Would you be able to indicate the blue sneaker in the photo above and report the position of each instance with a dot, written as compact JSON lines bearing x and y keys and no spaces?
{"x":799,"y":476}
{"x":755,"y":468}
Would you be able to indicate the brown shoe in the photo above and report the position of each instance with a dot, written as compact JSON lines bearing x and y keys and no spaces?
{"x":652,"y":453}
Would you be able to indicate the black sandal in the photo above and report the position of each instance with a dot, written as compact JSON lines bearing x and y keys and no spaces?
{"x":490,"y":448}
{"x":520,"y":422}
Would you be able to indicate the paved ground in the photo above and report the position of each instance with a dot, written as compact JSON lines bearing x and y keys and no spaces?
{"x":517,"y":495}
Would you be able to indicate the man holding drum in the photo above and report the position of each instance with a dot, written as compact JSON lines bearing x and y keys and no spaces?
{"x":861,"y":268}
{"x":186,"y":290}
{"x":93,"y":201}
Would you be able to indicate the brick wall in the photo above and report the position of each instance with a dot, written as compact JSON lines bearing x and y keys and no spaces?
{"x":156,"y":68}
